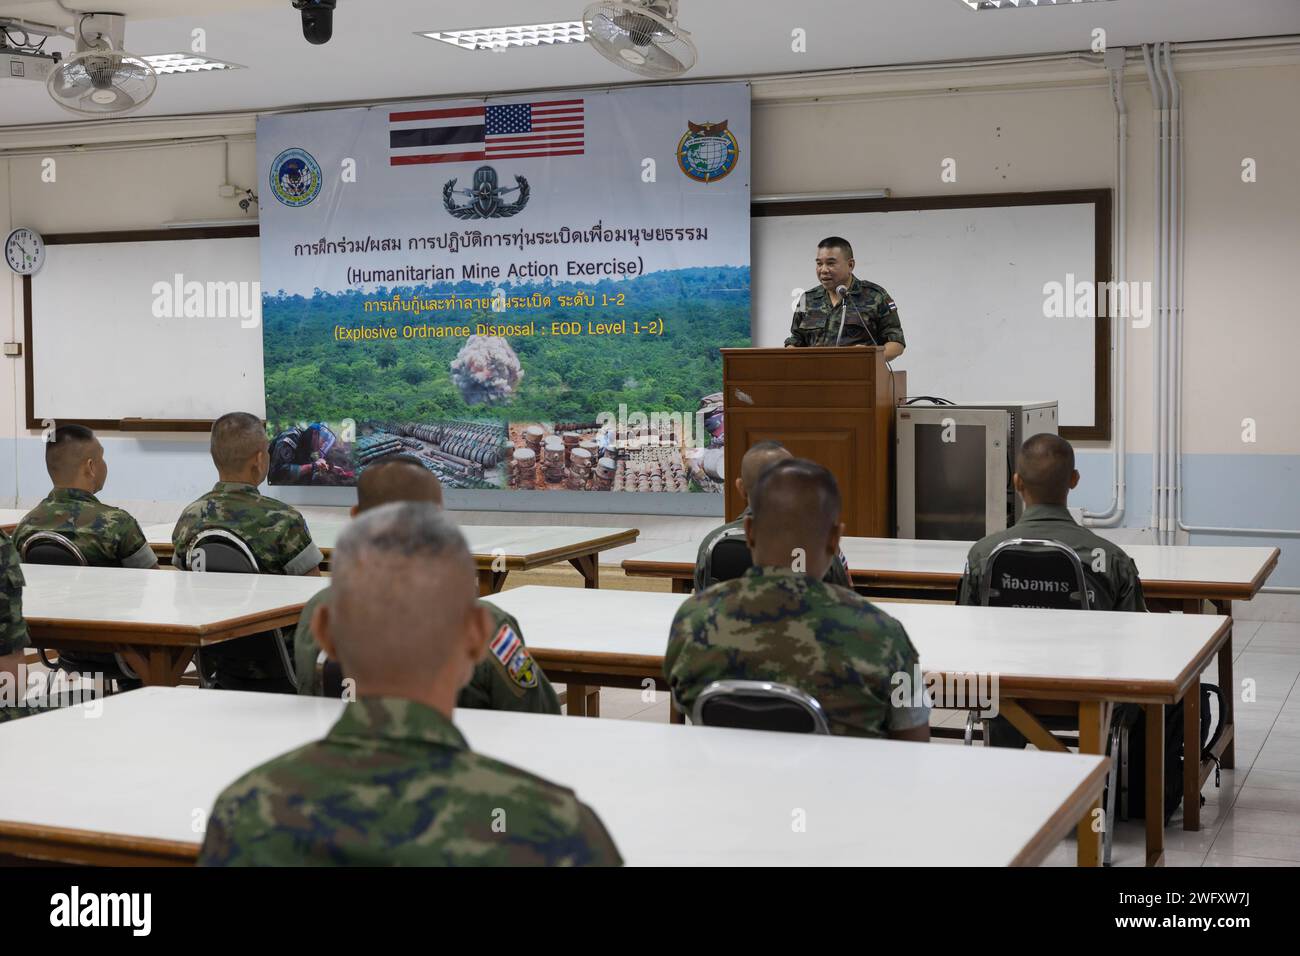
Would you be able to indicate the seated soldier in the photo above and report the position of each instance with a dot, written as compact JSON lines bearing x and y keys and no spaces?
{"x":507,"y":678}
{"x":757,"y":460}
{"x":13,"y":631}
{"x":780,"y":621}
{"x":1045,"y":475}
{"x":394,"y":782}
{"x":275,"y":533}
{"x":105,"y":536}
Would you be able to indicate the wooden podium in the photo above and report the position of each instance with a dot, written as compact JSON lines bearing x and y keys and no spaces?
{"x":832,"y":405}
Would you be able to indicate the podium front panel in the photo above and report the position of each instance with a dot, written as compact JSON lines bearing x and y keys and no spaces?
{"x":833,"y":406}
{"x":833,"y":440}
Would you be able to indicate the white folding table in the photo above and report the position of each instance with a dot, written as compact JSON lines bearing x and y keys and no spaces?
{"x":1068,"y":662}
{"x":497,"y":550}
{"x":147,"y":770}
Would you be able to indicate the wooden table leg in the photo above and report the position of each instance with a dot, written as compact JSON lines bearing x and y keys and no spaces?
{"x":1029,"y":725}
{"x":489,"y":581}
{"x":1228,"y":759}
{"x":1092,"y":740}
{"x":1192,"y":757}
{"x":593,"y":702}
{"x":577,"y":700}
{"x":682,"y":585}
{"x":158,"y":666}
{"x":1155,"y":783}
{"x":589,"y":567}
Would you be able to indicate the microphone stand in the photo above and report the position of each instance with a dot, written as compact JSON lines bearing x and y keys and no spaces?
{"x":844,"y":313}
{"x":893,"y":393}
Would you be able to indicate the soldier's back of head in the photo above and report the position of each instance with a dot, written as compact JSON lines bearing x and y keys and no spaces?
{"x":780,"y":622}
{"x":395,"y":781}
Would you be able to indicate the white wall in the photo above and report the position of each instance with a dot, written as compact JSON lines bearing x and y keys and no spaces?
{"x":1243,"y":241}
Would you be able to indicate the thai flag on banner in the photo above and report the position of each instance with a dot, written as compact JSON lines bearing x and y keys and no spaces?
{"x":463,"y":134}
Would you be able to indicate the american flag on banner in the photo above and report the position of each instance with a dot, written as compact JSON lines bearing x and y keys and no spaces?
{"x":463,"y":134}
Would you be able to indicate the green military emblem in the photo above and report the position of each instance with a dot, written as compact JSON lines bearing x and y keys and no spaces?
{"x":522,"y":668}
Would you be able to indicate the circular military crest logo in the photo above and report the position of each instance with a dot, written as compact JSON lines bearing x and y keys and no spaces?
{"x":295,"y":177}
{"x":708,"y":151}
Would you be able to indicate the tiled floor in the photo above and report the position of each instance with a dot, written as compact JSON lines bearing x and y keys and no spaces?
{"x":1252,"y":819}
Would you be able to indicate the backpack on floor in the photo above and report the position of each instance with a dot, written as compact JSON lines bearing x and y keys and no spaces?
{"x":1137,"y":749}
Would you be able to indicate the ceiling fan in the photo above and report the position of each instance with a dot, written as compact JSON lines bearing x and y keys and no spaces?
{"x":641,"y":36}
{"x":98,"y":78}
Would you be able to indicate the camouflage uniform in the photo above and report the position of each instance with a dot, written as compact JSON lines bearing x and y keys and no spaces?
{"x":395,"y":783}
{"x":274,"y":531}
{"x":106,"y":536}
{"x":837,"y":573}
{"x":507,"y":679}
{"x":778,"y":625}
{"x":1113,"y":587}
{"x":13,"y":629}
{"x":818,"y":322}
{"x":277,"y":536}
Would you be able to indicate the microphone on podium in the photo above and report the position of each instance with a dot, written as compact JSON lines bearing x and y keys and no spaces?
{"x":843,"y":292}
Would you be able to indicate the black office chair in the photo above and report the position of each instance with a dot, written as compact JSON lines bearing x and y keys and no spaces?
{"x":52,"y":548}
{"x":1034,"y":572}
{"x":759,"y":705}
{"x":730,"y":559}
{"x":217,"y":551}
{"x":1041,"y":573}
{"x":221,"y":552}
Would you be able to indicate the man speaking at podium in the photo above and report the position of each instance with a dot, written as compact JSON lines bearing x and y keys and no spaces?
{"x":842,"y":309}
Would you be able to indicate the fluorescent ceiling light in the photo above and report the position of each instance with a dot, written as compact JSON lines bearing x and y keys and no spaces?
{"x":186,"y":63}
{"x":502,"y":38}
{"x":1021,"y":4}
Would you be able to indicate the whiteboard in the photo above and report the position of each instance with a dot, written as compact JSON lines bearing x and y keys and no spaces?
{"x":969,"y":287}
{"x":103,"y":345}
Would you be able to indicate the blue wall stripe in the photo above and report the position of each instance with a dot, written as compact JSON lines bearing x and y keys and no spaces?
{"x":1247,"y":491}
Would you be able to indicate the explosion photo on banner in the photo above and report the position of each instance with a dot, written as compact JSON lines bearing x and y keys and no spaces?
{"x":523,"y":293}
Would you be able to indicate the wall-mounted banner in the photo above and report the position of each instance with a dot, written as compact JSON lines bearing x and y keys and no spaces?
{"x":526,"y":292}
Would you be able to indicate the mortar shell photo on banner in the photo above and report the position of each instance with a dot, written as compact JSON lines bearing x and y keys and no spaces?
{"x":463,"y":454}
{"x":632,"y":452}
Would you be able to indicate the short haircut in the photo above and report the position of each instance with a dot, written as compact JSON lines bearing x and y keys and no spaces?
{"x":794,"y":493}
{"x":397,"y":478}
{"x":403,"y":587}
{"x":760,"y":456}
{"x":1045,"y":464}
{"x":837,"y":242}
{"x":68,"y":446}
{"x":236,"y":437}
